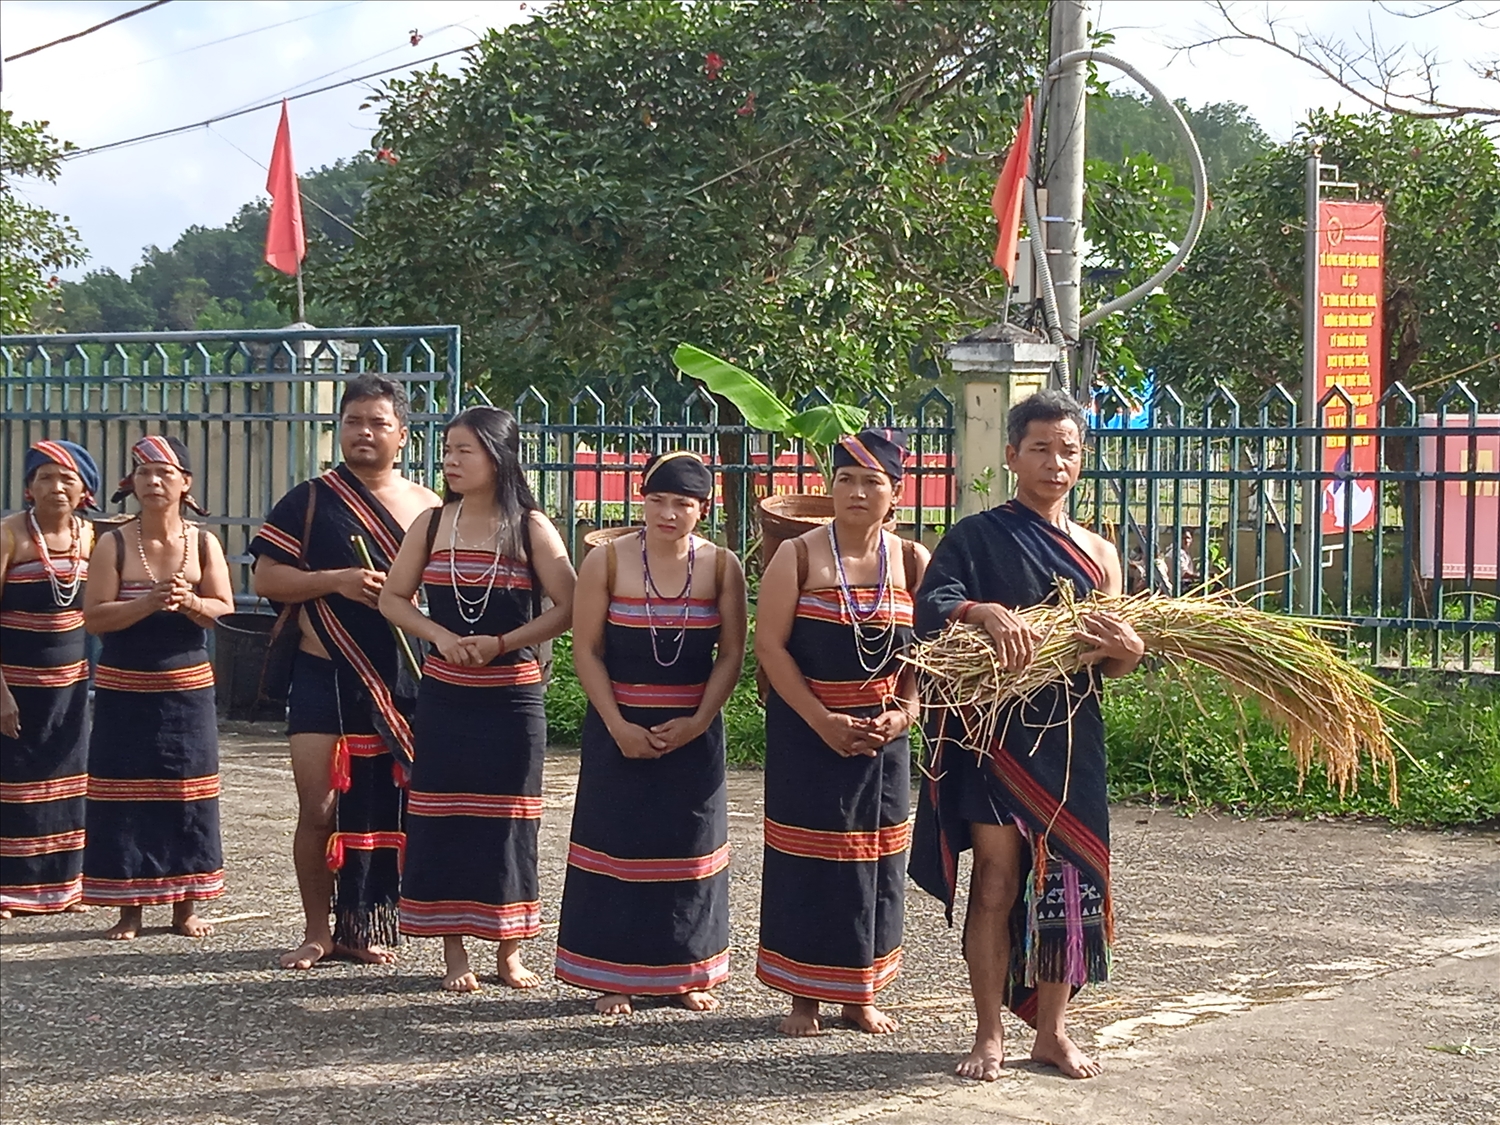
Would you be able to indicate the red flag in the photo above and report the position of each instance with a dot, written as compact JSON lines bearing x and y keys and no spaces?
{"x":1006,"y":202}
{"x":285,"y":244}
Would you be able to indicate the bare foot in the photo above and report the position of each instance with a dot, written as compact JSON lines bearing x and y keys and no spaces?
{"x":985,"y":1062}
{"x":697,"y":1001}
{"x":6,"y":915}
{"x":76,"y":908}
{"x":867,"y":1017}
{"x":309,"y":953}
{"x":509,"y":968}
{"x":613,"y":1004}
{"x":186,"y":922}
{"x":458,"y":977}
{"x":1063,"y":1053}
{"x":370,"y":954}
{"x":802,"y":1021}
{"x":127,"y":927}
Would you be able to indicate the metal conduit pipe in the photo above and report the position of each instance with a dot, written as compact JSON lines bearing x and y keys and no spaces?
{"x":1033,"y":218}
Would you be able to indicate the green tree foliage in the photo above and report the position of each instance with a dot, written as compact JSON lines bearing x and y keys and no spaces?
{"x":1121,"y":125}
{"x":215,"y":277}
{"x":800,"y":187}
{"x":1240,"y":296}
{"x":34,"y":242}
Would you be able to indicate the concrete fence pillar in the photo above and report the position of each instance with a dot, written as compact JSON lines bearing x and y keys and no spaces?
{"x":993,"y":369}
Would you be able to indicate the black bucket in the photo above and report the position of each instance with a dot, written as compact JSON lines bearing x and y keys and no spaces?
{"x":240,"y":644}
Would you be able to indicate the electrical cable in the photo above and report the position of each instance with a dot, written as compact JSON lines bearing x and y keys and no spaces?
{"x":1033,"y":220}
{"x":87,"y":30}
{"x":76,"y":153}
{"x":230,"y":38}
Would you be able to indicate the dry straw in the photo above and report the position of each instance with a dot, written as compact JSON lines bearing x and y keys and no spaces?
{"x":1331,"y":712}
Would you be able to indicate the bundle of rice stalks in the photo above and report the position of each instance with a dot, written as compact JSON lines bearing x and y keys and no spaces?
{"x":1331,"y":712}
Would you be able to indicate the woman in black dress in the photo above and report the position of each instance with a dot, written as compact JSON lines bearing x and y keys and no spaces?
{"x":834,"y":614}
{"x":44,"y":683}
{"x":646,"y":903}
{"x":484,"y":560}
{"x":155,"y":587}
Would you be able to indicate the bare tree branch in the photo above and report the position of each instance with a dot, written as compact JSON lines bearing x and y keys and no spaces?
{"x":1396,"y":78}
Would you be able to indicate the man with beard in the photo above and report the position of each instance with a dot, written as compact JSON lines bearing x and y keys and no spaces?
{"x":350,"y":695}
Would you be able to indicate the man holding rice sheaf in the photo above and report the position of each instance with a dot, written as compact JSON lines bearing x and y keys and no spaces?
{"x":1033,"y":802}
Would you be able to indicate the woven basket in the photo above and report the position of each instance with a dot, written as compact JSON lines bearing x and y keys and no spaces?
{"x":602,"y":535}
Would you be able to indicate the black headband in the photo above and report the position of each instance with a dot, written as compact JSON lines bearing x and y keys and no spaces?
{"x":882,"y":450}
{"x":679,"y":471}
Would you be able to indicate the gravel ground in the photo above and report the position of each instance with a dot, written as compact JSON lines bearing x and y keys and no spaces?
{"x":1216,"y":917}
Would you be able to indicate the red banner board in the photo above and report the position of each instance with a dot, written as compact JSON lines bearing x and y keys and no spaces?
{"x":1482,"y":494}
{"x":1348,"y":353}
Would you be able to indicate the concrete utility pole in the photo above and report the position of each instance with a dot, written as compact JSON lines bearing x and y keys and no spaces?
{"x":1063,"y":167}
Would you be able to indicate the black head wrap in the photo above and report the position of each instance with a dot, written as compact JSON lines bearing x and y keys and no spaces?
{"x":162,"y":450}
{"x":882,"y":450}
{"x":679,"y":471}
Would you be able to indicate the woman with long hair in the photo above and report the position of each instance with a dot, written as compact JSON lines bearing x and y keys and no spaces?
{"x":484,"y":560}
{"x":44,"y":690}
{"x":155,"y":587}
{"x":833,"y":616}
{"x":658,"y":642}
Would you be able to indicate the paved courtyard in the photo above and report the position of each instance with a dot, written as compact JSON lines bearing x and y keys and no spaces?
{"x":1276,"y":972}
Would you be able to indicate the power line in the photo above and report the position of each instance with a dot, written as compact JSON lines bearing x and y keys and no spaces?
{"x":300,"y":189}
{"x":76,"y":153}
{"x":231,"y":38}
{"x":88,"y":30}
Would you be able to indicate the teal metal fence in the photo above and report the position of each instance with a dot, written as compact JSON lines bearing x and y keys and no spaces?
{"x":257,"y":409}
{"x":1402,"y":549}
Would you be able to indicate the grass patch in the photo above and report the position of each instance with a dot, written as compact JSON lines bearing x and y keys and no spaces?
{"x":1162,"y":747}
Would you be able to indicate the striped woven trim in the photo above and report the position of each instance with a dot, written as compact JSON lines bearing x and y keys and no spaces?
{"x":62,"y":621}
{"x":204,"y":788}
{"x":36,"y":792}
{"x":63,"y":675}
{"x":845,"y":694}
{"x":473,"y":568}
{"x":828,"y":605}
{"x":362,"y":745}
{"x":856,"y":449}
{"x":153,"y":448}
{"x":279,"y":539}
{"x":34,"y":570}
{"x":840,"y":847}
{"x":58,"y":453}
{"x":379,"y":690}
{"x":386,"y":541}
{"x":640,"y":980}
{"x":485,"y":676}
{"x":675,"y":696}
{"x":152,"y":892}
{"x":501,"y":806}
{"x":194,"y":677}
{"x":483,"y":920}
{"x":42,"y":898}
{"x":14,"y":846}
{"x":686,"y":869}
{"x":701,"y":613}
{"x":831,"y":983}
{"x":340,"y":843}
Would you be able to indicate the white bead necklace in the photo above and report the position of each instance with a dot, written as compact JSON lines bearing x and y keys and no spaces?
{"x":471,"y":609}
{"x":880,"y":642}
{"x":64,"y":590}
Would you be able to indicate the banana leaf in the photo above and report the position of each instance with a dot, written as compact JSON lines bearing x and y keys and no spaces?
{"x":756,"y":401}
{"x":824,"y":425}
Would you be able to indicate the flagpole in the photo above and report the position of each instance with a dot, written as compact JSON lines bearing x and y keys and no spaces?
{"x":301,"y":297}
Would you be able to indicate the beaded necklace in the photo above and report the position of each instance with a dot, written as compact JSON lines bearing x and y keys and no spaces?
{"x":140,"y":548}
{"x":880,"y":641}
{"x":64,"y":590}
{"x":683,"y":596}
{"x":471,"y":609}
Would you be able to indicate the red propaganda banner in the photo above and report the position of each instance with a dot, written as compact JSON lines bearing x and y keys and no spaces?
{"x":1350,"y":303}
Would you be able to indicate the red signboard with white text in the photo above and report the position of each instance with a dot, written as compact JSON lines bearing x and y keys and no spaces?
{"x":1350,"y":303}
{"x":1466,"y":503}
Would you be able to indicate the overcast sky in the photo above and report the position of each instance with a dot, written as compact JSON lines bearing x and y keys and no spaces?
{"x":172,"y":66}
